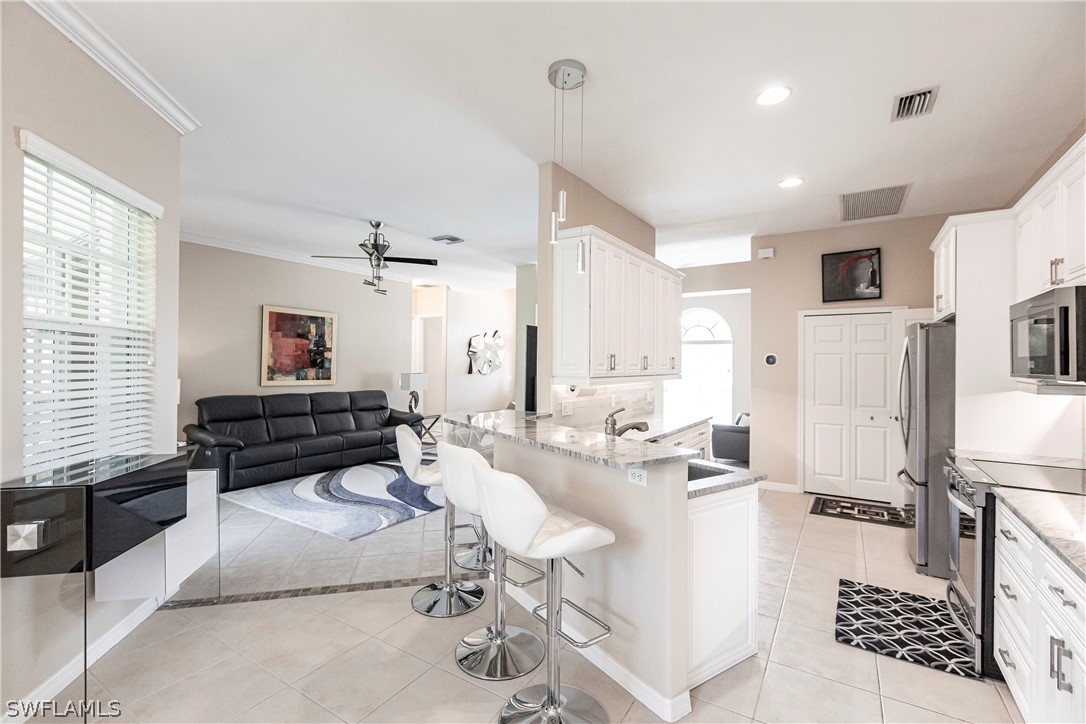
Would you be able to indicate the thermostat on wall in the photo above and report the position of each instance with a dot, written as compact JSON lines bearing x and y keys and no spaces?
{"x":771,"y":359}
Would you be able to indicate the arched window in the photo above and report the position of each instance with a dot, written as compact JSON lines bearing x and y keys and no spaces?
{"x":704,"y":325}
{"x":706,"y":384}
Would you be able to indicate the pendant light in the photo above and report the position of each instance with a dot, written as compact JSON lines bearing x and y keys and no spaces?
{"x":567,"y":75}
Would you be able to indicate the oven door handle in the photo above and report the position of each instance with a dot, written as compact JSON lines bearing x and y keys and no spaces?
{"x":964,"y":626}
{"x":962,"y":507}
{"x":905,"y":480}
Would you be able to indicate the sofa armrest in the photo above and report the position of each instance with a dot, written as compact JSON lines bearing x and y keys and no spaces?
{"x":400,"y":417}
{"x":207,"y":438}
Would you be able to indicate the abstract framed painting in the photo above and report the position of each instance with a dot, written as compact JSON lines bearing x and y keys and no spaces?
{"x":849,"y":276}
{"x":297,"y":347}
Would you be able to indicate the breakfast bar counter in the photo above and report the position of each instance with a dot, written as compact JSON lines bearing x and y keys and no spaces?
{"x":679,"y":584}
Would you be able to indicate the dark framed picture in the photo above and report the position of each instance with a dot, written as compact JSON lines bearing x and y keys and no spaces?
{"x":297,"y":347}
{"x":848,"y":276}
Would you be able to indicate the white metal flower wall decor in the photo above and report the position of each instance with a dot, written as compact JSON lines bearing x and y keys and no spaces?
{"x":486,"y":352}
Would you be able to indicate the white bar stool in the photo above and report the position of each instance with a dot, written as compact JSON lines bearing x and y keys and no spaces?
{"x":446,"y":598}
{"x":496,"y":652}
{"x":521,"y":522}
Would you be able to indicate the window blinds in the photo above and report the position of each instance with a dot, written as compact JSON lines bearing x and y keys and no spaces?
{"x":88,"y":321}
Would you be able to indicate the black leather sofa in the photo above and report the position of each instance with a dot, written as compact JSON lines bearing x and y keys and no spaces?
{"x":253,"y":439}
{"x":732,"y":442}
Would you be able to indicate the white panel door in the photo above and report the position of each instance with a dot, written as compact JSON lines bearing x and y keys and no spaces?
{"x":827,"y":404}
{"x":872,"y":408}
{"x":599,"y":323}
{"x":647,"y":320}
{"x":616,"y":319}
{"x":675,"y":331}
{"x":632,"y":358}
{"x":664,"y":312}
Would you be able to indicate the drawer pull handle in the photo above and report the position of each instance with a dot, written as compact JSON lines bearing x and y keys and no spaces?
{"x":1058,"y":590}
{"x":1008,"y":535}
{"x":1057,"y":649}
{"x":1007,"y":592}
{"x":1006,"y":659}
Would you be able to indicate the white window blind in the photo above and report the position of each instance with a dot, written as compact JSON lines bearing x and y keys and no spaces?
{"x":88,"y":321}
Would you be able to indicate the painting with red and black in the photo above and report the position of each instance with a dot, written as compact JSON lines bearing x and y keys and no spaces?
{"x":851,"y":275}
{"x":297,"y":347}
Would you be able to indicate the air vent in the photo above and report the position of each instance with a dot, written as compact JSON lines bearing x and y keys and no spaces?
{"x":917,"y":103}
{"x":448,"y":239}
{"x":876,"y":202}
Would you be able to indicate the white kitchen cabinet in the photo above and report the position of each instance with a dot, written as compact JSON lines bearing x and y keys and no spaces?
{"x":1040,"y":631}
{"x":619,"y":318}
{"x":945,"y":249}
{"x":1050,"y":247}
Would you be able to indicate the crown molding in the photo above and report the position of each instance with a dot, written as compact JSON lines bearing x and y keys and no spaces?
{"x":244,"y":248}
{"x":89,"y":38}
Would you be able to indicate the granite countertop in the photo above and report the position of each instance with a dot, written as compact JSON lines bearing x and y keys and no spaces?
{"x":727,"y":477}
{"x":543,"y":433}
{"x":981,"y":456}
{"x":1058,"y":519}
{"x":662,"y":425}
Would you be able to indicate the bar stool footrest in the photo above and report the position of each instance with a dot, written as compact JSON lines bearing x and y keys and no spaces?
{"x":576,"y":643}
{"x":540,"y":575}
{"x":478,"y":537}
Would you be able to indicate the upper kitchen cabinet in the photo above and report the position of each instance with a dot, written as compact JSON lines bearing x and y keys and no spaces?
{"x":1050,"y":241}
{"x":616,"y":311}
{"x":946,"y":255}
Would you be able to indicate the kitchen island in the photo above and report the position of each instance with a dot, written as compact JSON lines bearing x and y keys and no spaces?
{"x":678,"y":586}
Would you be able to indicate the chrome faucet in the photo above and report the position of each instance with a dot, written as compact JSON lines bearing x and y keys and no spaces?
{"x":611,"y":430}
{"x":610,"y":421}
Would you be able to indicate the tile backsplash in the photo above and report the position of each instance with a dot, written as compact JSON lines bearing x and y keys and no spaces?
{"x":587,"y":406}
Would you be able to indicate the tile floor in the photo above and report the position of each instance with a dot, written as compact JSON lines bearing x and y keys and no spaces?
{"x":367,"y":657}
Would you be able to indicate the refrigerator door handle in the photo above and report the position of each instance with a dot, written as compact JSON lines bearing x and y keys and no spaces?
{"x":903,"y":387}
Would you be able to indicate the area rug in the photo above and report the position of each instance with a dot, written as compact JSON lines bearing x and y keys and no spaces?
{"x":347,"y":503}
{"x":865,"y":512}
{"x":905,"y":626}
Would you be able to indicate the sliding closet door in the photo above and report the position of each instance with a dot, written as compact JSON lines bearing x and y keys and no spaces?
{"x":847,"y":405}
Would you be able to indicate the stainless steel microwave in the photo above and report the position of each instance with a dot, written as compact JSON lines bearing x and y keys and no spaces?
{"x":1048,"y":336}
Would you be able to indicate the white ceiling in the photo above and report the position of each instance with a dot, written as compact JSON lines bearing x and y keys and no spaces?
{"x":434,"y":117}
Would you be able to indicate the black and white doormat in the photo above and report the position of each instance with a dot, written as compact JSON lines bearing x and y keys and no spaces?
{"x":865,"y":512}
{"x":905,"y":626}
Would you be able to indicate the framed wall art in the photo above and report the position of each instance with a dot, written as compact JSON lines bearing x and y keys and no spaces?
{"x":849,"y":276}
{"x":297,"y":347}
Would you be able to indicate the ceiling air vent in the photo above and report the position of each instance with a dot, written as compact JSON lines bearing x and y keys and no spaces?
{"x":448,"y":239}
{"x":916,"y":103}
{"x":876,"y":202}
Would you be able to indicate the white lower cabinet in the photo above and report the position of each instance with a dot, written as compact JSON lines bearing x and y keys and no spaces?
{"x":1040,"y":625}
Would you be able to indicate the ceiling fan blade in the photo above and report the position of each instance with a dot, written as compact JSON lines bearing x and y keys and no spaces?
{"x":325,"y":256}
{"x":409,"y":260}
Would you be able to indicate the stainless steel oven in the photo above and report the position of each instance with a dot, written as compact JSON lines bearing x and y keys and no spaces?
{"x":1048,"y":336}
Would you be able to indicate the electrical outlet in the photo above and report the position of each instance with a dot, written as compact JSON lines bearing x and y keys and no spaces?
{"x":638,"y":476}
{"x":650,"y":397}
{"x":567,"y":408}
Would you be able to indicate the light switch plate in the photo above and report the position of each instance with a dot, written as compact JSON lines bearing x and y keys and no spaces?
{"x":567,"y":408}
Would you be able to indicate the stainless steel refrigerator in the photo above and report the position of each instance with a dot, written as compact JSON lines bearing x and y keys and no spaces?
{"x":926,"y":405}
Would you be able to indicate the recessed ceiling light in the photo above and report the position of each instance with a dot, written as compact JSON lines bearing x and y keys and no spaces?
{"x":790,"y":182}
{"x":773,"y":96}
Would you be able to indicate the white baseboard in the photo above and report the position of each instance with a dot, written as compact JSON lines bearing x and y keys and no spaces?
{"x":669,"y":709}
{"x":55,"y":684}
{"x":780,"y":487}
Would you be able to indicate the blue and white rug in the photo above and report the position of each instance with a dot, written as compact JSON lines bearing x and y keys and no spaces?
{"x":347,"y":503}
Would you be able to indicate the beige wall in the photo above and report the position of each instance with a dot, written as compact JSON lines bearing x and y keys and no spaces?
{"x":469,"y":315}
{"x":221,"y":297}
{"x":718,"y":277}
{"x":585,"y":207}
{"x":791,"y":282}
{"x":51,"y":88}
{"x":54,"y":90}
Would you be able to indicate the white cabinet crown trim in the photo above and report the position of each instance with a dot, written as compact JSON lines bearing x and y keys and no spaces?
{"x":1052,"y":175}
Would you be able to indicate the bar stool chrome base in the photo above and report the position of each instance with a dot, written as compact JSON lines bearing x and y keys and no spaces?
{"x":474,"y":556}
{"x":441,"y":600}
{"x":529,"y":706}
{"x":482,"y":655}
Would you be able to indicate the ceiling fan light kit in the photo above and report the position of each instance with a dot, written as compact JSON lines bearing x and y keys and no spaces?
{"x":377,"y":248}
{"x":566,"y":75}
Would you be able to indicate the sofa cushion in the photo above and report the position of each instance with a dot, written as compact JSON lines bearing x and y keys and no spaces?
{"x":239,"y":416}
{"x":388,"y":435}
{"x":354,"y":439}
{"x":272,"y":452}
{"x":369,"y":408}
{"x":319,"y":445}
{"x":289,"y":416}
{"x":331,"y":412}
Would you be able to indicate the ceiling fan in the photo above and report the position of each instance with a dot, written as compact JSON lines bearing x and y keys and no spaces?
{"x":376,"y":249}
